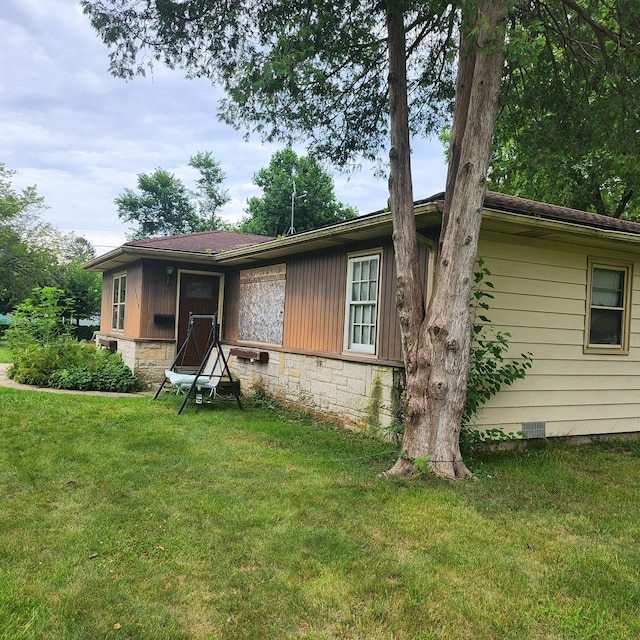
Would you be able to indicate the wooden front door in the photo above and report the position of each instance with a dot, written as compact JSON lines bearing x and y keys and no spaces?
{"x":199,"y":294}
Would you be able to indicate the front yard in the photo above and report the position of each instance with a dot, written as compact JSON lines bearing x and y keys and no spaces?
{"x":120,"y":519}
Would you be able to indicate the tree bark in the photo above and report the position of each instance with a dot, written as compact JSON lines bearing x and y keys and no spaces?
{"x":437,"y":347}
{"x":409,"y":293}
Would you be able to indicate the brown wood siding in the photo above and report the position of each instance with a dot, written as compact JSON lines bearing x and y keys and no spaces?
{"x":133,"y":308}
{"x":315,"y":300}
{"x":158,"y":297}
{"x":105,"y":307}
{"x":389,"y":345}
{"x":314,"y":304}
{"x":230,"y":308}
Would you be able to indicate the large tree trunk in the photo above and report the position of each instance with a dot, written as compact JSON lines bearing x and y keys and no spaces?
{"x":436,"y":346}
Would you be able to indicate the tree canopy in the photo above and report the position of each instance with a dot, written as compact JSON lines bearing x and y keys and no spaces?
{"x":163,"y":205}
{"x":28,"y":248}
{"x":568,"y":128}
{"x":35,"y":254}
{"x":293,"y":181}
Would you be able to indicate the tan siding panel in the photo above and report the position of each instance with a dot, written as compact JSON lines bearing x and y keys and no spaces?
{"x":510,"y":398}
{"x":540,"y":298}
{"x":538,"y":288}
{"x":560,"y":413}
{"x":552,"y":381}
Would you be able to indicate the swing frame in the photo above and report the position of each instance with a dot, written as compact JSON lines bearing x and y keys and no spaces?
{"x":191,"y":384}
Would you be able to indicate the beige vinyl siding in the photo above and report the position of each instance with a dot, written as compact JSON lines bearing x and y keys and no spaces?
{"x":572,"y":392}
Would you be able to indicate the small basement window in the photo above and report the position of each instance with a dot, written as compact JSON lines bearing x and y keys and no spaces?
{"x":608,"y":308}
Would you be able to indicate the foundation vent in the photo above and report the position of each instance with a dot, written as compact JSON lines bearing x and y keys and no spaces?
{"x":534,"y":429}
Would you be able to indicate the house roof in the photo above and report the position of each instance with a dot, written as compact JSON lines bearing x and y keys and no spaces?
{"x":201,"y":242}
{"x":501,"y":213}
{"x":193,"y":247}
{"x":533,"y":209}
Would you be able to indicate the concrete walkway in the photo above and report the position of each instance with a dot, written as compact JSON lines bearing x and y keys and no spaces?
{"x":6,"y":382}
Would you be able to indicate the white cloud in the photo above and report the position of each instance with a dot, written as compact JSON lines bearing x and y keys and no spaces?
{"x":82,"y":136}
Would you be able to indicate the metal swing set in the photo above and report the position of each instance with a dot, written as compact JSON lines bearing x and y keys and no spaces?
{"x":211,"y":370}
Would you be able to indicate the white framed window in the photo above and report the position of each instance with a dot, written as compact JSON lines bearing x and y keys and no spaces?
{"x":361,"y":313}
{"x":118,"y":305}
{"x":608,"y":307}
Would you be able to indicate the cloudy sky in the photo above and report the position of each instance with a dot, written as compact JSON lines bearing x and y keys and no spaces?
{"x":82,"y":136}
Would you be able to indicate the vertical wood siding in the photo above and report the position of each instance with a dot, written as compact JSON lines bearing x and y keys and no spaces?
{"x":540,"y":298}
{"x":157,"y":297}
{"x":315,"y":300}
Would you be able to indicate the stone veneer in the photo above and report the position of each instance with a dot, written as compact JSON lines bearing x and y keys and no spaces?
{"x":357,"y":395}
{"x":146,"y":358}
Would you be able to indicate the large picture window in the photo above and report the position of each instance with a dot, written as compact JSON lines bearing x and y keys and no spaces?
{"x":361,"y":321}
{"x":609,"y":308}
{"x":119,"y":296}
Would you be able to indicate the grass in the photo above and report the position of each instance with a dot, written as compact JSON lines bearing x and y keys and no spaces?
{"x":121,"y":519}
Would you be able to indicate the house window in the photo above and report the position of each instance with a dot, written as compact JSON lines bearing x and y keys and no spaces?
{"x":119,"y":295}
{"x":362,"y":303}
{"x":609,"y":306}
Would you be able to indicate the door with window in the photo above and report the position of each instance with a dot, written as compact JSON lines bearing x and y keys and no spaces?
{"x":199,"y":294}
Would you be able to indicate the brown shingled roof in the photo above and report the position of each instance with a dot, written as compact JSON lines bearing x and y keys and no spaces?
{"x":200,"y":242}
{"x":533,"y":209}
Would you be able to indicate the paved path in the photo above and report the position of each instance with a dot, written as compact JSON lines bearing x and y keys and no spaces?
{"x":6,"y":382}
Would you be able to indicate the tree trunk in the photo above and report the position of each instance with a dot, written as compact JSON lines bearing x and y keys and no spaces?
{"x":437,"y":347}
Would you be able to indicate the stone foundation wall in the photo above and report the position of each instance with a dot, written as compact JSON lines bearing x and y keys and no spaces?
{"x":146,"y":358}
{"x":357,"y":395}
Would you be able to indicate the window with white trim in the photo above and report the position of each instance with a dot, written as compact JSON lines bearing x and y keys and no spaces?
{"x":361,"y":319}
{"x":118,"y":306}
{"x":608,"y":307}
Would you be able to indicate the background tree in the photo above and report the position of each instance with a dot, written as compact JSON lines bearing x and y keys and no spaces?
{"x":208,"y":192}
{"x":77,"y":248}
{"x":35,"y":254}
{"x":349,"y":76}
{"x":567,"y":132}
{"x":84,"y":288}
{"x":315,"y":201}
{"x":28,"y":248}
{"x":163,"y":205}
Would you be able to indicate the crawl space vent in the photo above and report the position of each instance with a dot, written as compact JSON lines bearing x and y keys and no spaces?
{"x":534,"y":429}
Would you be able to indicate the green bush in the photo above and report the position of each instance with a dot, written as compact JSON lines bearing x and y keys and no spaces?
{"x":100,"y":370}
{"x":45,"y":353}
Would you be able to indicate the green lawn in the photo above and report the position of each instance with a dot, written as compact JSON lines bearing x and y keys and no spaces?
{"x":120,"y":519}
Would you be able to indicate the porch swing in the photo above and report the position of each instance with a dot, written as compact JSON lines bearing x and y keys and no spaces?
{"x":212,"y":367}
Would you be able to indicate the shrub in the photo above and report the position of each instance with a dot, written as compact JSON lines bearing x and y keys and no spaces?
{"x":39,"y":319}
{"x":101,"y":371}
{"x":45,"y":353}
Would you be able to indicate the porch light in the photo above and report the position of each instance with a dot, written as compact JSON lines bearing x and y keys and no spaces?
{"x":168,"y":270}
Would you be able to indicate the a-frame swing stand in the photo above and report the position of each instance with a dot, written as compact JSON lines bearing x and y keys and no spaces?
{"x":212,"y":369}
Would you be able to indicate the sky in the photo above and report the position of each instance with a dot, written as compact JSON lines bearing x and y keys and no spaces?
{"x":82,"y":136}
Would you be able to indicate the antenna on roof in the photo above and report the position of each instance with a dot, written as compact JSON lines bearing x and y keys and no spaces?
{"x":294,"y":197}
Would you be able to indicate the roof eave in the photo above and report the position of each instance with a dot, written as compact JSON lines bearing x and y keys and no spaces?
{"x":126,"y":254}
{"x":546,"y":227}
{"x":372,"y":225}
